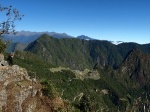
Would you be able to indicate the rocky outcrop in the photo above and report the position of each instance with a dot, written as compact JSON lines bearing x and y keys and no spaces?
{"x":20,"y":93}
{"x":15,"y":87}
{"x":2,"y":61}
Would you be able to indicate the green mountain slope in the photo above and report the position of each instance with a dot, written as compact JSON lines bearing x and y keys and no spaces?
{"x":80,"y":54}
{"x":125,"y":88}
{"x":81,"y":94}
{"x":107,"y":93}
{"x":75,"y":53}
{"x":62,"y":52}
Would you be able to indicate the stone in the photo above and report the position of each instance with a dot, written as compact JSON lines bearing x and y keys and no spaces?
{"x":1,"y":57}
{"x":4,"y":63}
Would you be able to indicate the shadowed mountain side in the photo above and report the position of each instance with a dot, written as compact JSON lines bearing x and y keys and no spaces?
{"x":12,"y":47}
{"x":135,"y":71}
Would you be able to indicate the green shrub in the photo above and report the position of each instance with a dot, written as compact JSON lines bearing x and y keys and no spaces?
{"x":2,"y":46}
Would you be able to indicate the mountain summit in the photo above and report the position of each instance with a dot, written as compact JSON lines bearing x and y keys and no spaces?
{"x":84,"y":37}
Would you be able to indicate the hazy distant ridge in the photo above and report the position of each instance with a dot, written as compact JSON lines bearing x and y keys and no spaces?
{"x":27,"y":36}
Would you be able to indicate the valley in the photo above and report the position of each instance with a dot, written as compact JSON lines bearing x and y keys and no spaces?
{"x":91,"y":75}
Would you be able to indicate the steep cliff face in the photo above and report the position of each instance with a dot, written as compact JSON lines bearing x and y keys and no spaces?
{"x":20,"y":93}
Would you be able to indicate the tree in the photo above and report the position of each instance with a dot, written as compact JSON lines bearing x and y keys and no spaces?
{"x":7,"y":26}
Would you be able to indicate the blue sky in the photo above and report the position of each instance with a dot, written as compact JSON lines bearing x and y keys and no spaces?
{"x":114,"y":20}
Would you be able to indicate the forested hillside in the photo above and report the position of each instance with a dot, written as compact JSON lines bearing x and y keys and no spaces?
{"x":80,"y":54}
{"x":101,"y":87}
{"x":89,"y":75}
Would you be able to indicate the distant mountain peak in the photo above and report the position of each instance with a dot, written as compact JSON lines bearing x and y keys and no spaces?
{"x":84,"y":37}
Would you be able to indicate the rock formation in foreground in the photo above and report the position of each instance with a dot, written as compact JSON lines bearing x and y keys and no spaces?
{"x":20,"y":93}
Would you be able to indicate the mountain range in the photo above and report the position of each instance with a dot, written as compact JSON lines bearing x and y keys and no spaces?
{"x":89,"y":70}
{"x":26,"y":37}
{"x":79,"y":53}
{"x":88,"y":74}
